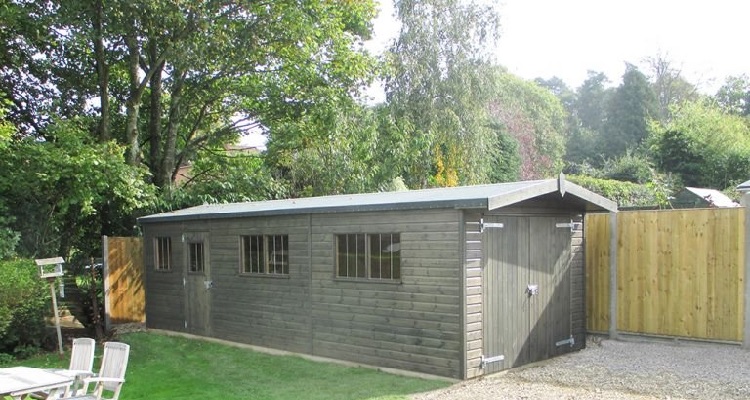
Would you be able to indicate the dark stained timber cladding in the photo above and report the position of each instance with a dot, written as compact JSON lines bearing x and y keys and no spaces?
{"x":261,"y":309}
{"x":165,"y":301}
{"x":411,"y":323}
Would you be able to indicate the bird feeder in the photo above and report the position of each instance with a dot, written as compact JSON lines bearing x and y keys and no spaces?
{"x":50,"y":269}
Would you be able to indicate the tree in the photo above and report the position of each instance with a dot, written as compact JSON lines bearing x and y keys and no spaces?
{"x":167,"y":78}
{"x":332,"y":149}
{"x":628,"y":112}
{"x":587,"y":115}
{"x":669,"y":86}
{"x":702,"y":145}
{"x":734,"y":96}
{"x":534,"y":118}
{"x":67,"y":191}
{"x":436,"y":90}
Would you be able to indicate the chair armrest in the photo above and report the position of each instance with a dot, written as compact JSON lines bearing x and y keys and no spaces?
{"x":95,"y":379}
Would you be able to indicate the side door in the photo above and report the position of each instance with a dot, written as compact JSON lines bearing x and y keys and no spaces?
{"x":197,"y":282}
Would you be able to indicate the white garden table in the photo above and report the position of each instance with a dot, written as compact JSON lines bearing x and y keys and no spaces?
{"x":19,"y":382}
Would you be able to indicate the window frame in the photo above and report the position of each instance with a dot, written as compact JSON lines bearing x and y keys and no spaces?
{"x":159,"y":248}
{"x":368,"y":258}
{"x":201,"y":260}
{"x":271,"y":262}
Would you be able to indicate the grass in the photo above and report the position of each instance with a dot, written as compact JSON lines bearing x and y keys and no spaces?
{"x":168,"y":367}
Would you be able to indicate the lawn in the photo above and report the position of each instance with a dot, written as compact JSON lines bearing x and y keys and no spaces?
{"x":168,"y":367}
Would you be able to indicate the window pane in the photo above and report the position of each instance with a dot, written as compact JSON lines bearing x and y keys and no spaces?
{"x":361,"y":257}
{"x":163,"y":253}
{"x":351,"y":256}
{"x":257,"y":263}
{"x":385,"y":251}
{"x":195,"y":257}
{"x":278,"y":254}
{"x":342,"y":258}
{"x":395,"y":249}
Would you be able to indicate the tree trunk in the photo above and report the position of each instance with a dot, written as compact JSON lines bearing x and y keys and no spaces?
{"x":169,"y":166}
{"x":154,"y":122}
{"x":134,"y":101}
{"x":102,"y":71}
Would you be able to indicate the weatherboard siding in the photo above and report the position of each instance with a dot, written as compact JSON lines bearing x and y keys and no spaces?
{"x":412,"y":324}
{"x":264,"y":310}
{"x":165,"y":297}
{"x":473,"y":294}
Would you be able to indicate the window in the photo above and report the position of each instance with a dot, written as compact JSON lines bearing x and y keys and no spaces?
{"x":368,"y":256}
{"x":163,"y":253}
{"x":264,"y":254}
{"x":195,"y":257}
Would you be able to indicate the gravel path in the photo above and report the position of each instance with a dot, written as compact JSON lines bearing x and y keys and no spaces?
{"x":610,"y":369}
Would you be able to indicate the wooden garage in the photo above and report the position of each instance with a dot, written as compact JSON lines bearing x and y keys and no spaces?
{"x":457,"y":282}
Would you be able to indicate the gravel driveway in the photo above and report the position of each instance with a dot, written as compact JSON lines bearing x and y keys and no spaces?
{"x":612,"y":369}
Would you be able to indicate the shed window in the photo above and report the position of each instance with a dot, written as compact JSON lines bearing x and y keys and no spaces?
{"x":163,"y":253}
{"x":368,"y":256}
{"x":195,"y":257}
{"x":264,"y":254}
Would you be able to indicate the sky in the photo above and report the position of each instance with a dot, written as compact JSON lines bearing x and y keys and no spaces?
{"x":706,"y":40}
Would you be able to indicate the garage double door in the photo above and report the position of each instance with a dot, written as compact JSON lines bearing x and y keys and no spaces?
{"x":527,"y":296}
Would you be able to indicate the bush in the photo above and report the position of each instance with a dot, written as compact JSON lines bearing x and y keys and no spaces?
{"x":626,"y":194}
{"x":23,"y":304}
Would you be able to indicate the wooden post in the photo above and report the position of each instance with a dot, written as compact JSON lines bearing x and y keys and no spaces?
{"x":745,"y":200}
{"x":57,"y":315}
{"x":613,"y":275}
{"x":106,"y":283}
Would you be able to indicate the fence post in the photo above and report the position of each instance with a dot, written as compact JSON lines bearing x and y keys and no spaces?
{"x":613,"y":275}
{"x":745,"y":201}
{"x":106,"y":282}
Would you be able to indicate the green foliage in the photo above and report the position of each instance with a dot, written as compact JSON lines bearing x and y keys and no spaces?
{"x":534,"y":118}
{"x":436,"y":90}
{"x":330,"y":150}
{"x":68,"y":190}
{"x":626,"y":194}
{"x":703,"y":146}
{"x":24,"y":301}
{"x":506,"y":159}
{"x":734,"y":96}
{"x":631,"y":167}
{"x":219,"y":176}
{"x":629,"y":110}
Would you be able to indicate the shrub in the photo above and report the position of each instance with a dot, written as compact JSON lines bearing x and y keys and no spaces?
{"x":23,"y":304}
{"x":626,"y":194}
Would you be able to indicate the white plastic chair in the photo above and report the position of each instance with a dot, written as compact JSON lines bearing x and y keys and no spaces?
{"x":111,"y":374}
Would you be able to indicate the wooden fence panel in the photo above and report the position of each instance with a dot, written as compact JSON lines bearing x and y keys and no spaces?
{"x":679,"y":273}
{"x":125,"y":299}
{"x":597,"y":271}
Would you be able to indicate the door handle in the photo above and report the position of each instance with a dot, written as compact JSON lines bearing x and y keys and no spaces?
{"x":208,"y":284}
{"x":532,"y":290}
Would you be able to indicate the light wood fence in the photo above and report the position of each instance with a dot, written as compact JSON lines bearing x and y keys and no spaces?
{"x":679,"y":273}
{"x":125,"y":296}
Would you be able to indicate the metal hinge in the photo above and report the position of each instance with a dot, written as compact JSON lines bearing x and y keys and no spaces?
{"x":574,"y":226}
{"x":184,"y":282}
{"x":483,"y":225}
{"x":571,"y":341}
{"x":487,"y":360}
{"x":185,"y":324}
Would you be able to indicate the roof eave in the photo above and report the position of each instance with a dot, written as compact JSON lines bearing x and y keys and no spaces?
{"x":561,"y":185}
{"x":421,"y":205}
